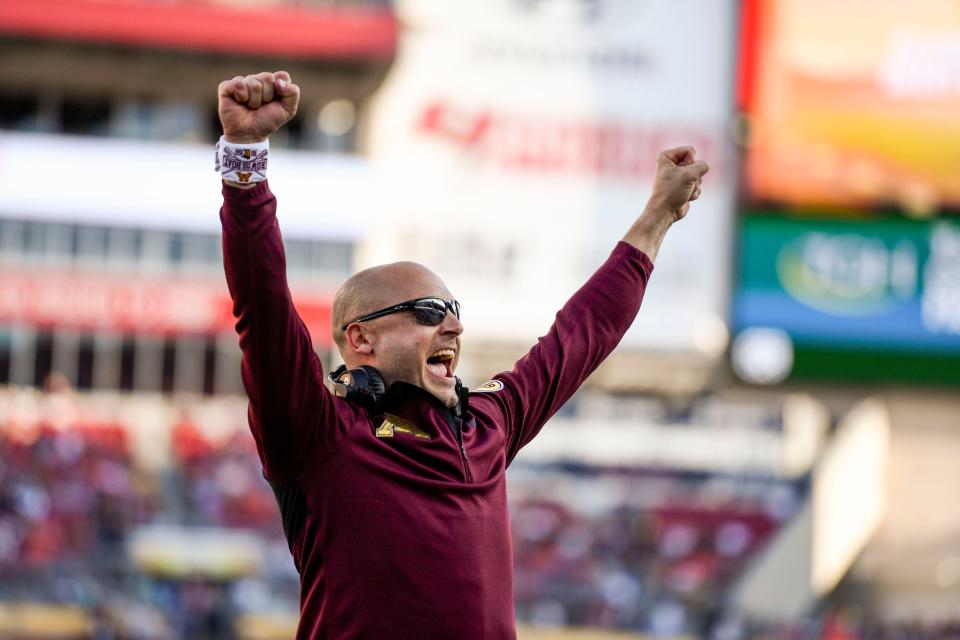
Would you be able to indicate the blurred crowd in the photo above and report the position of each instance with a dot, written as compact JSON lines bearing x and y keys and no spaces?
{"x":834,"y":625}
{"x":67,"y":494}
{"x":72,"y":495}
{"x":221,"y":482}
{"x":627,"y":549}
{"x":654,"y":552}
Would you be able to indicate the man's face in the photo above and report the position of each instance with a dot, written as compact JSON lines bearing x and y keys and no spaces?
{"x":422,"y":355}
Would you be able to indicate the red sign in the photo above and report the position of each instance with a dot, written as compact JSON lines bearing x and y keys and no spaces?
{"x":127,"y":304}
{"x":290,"y":31}
{"x":602,"y":147}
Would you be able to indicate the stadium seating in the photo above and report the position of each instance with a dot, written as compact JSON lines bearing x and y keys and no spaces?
{"x":648,"y":553}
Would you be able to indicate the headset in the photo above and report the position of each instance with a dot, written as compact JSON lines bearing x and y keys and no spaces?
{"x":364,"y":386}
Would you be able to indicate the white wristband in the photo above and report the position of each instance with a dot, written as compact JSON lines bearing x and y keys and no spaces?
{"x":243,"y":163}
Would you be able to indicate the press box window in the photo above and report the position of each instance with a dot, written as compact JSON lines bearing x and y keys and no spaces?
{"x":85,"y":117}
{"x":19,"y":112}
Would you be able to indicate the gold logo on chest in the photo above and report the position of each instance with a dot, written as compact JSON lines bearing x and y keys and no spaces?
{"x":488,"y":387}
{"x":394,"y":424}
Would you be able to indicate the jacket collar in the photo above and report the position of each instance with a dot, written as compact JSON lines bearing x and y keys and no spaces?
{"x":399,"y":393}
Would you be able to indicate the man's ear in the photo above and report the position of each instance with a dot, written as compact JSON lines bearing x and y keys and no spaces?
{"x":358,"y":340}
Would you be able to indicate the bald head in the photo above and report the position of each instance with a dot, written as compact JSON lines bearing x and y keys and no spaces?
{"x":379,"y":287}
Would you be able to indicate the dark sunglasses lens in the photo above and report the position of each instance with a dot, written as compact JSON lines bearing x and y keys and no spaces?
{"x":430,"y":312}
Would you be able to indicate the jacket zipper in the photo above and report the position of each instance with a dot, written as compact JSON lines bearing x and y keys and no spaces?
{"x":458,"y":431}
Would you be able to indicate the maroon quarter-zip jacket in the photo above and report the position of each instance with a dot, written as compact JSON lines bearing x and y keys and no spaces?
{"x":398,"y":521}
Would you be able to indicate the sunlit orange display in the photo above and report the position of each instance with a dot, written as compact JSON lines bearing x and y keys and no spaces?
{"x":853,"y":103}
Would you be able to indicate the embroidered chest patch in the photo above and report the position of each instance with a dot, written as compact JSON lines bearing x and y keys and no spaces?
{"x":395,"y":424}
{"x":488,"y":387}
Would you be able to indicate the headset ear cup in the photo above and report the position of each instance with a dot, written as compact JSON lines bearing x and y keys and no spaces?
{"x":363,"y":385}
{"x":374,"y":383}
{"x":340,"y":388}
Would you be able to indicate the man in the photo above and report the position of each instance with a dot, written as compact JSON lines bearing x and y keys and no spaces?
{"x":392,"y":491}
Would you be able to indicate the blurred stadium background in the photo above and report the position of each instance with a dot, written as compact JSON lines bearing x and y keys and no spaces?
{"x":771,"y":453}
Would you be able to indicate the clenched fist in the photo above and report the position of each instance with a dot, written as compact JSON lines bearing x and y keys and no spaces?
{"x":677,"y":182}
{"x":253,"y":107}
{"x":675,"y":186}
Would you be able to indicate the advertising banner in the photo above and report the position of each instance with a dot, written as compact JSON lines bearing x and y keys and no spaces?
{"x":142,"y":303}
{"x":517,"y":142}
{"x":853,"y":103}
{"x":887,"y":284}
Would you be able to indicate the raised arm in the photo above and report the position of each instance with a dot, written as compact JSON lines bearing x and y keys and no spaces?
{"x":592,"y":322}
{"x":291,"y":412}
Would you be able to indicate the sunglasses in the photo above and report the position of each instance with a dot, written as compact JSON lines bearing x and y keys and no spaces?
{"x":429,"y":311}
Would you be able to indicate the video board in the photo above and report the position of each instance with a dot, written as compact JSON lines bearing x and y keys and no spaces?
{"x":859,"y":300}
{"x":851,"y":104}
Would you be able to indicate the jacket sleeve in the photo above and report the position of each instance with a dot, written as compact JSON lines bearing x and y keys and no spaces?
{"x":292,"y":414}
{"x":586,"y":330}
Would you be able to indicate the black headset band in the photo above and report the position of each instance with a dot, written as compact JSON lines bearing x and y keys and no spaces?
{"x":364,"y":386}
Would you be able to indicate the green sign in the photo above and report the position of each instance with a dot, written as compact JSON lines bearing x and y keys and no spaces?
{"x":865,"y":289}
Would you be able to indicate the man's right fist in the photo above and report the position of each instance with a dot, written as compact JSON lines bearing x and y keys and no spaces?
{"x":677,"y":181}
{"x":253,"y":107}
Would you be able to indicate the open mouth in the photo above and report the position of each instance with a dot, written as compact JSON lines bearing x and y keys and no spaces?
{"x":440,"y":363}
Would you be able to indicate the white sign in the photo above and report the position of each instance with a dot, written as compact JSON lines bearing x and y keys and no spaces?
{"x":518,"y":139}
{"x":173,"y":187}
